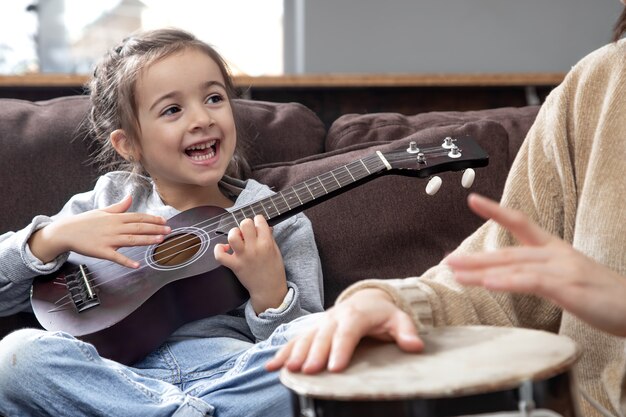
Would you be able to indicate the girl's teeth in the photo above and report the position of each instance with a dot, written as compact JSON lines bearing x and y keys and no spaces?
{"x":201,"y":146}
{"x":203,"y":157}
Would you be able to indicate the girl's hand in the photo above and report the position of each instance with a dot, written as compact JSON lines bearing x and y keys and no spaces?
{"x":546,"y":266}
{"x":330,"y":343}
{"x":99,"y":233}
{"x":252,"y":254}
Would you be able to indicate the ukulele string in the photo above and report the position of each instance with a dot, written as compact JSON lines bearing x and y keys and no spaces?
{"x":345,"y":174}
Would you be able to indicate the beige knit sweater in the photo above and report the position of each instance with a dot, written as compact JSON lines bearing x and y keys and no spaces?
{"x":570,"y":177}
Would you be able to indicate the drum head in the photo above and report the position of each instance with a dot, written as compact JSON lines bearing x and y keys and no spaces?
{"x":455,"y":361}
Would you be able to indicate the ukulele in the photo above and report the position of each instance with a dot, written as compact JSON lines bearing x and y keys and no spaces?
{"x":180,"y":281}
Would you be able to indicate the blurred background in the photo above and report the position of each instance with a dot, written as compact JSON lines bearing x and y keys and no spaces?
{"x":274,"y":37}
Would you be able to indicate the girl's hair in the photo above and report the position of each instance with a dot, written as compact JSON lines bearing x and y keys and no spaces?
{"x":113,"y":96}
{"x":620,"y":26}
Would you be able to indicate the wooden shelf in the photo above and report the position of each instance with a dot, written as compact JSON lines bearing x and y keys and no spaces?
{"x":402,"y":80}
{"x":327,"y":80}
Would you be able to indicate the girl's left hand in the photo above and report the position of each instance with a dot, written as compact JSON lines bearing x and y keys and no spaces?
{"x":545,"y":266}
{"x":253,"y":255}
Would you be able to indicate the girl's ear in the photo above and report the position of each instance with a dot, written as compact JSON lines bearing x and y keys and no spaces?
{"x":124,"y":145}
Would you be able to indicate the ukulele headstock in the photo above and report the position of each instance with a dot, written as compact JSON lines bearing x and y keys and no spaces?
{"x":450,"y":154}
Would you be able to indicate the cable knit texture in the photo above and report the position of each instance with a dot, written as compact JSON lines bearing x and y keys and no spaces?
{"x":568,"y":177}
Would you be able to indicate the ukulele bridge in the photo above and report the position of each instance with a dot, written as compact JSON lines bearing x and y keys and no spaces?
{"x":82,"y":293}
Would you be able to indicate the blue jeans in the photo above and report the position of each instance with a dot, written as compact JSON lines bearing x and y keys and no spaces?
{"x":54,"y":374}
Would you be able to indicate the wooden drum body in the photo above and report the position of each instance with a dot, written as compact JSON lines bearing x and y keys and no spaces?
{"x":463,"y":371}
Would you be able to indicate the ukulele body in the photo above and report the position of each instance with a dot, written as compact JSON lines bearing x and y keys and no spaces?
{"x":107,"y":304}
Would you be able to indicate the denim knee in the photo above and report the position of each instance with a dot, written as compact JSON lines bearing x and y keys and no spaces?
{"x":19,"y":355}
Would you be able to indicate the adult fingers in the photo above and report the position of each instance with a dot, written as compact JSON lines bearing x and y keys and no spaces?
{"x":281,"y":357}
{"x":403,"y":331}
{"x":515,"y":221}
{"x":300,"y":351}
{"x":504,"y":256}
{"x":318,"y":355}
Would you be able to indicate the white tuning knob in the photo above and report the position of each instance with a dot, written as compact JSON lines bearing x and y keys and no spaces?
{"x":468,"y":178}
{"x":434,"y":184}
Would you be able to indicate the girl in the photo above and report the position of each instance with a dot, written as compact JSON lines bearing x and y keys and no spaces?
{"x":161,"y":106}
{"x":567,"y":180}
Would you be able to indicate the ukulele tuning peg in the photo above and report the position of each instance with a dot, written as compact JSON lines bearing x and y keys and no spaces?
{"x":434,"y":184}
{"x":468,"y":178}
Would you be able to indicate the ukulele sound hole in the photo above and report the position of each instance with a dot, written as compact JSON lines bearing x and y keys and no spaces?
{"x":177,"y":250}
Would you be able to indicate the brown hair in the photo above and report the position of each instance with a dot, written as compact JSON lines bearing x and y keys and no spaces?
{"x":620,"y":26}
{"x":112,"y":92}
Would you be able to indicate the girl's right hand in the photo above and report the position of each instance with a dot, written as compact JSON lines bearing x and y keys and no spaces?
{"x":99,"y":233}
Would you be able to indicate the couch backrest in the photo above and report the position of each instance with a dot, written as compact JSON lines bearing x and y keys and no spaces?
{"x":386,"y":228}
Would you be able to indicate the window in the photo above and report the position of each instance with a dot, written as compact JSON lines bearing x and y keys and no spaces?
{"x":69,"y":36}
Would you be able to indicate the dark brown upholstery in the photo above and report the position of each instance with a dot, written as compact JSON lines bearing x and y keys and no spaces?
{"x":386,"y":228}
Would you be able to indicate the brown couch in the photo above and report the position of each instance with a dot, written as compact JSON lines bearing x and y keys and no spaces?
{"x":386,"y":228}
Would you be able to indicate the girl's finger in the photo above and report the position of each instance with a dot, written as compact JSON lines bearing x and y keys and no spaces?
{"x":144,"y":229}
{"x":236,"y":240}
{"x":118,"y":258}
{"x":248,"y":230}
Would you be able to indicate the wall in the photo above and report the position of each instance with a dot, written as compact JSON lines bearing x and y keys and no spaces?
{"x":449,"y":36}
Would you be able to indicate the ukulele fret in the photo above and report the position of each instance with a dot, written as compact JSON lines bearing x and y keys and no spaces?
{"x":331,"y":183}
{"x":365,"y":166}
{"x":259,"y":204}
{"x":273,"y":209}
{"x":346,"y":167}
{"x":285,"y":200}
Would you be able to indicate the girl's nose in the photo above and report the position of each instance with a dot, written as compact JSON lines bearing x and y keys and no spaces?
{"x":201,"y":118}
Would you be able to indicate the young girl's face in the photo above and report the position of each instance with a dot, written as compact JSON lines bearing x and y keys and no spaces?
{"x":187,"y":131}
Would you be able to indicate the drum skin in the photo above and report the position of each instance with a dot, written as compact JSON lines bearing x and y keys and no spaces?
{"x":462,"y":370}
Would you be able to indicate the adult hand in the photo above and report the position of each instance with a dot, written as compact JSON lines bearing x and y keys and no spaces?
{"x":330,"y":343}
{"x":99,"y":233}
{"x":545,"y":266}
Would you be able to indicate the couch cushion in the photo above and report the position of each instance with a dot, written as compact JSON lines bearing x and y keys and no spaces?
{"x":389,"y":227}
{"x":352,"y":129}
{"x":276,"y":132}
{"x":44,"y":156}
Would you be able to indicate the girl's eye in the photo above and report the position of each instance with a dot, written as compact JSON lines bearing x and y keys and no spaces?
{"x":170,"y":110}
{"x":214,"y":98}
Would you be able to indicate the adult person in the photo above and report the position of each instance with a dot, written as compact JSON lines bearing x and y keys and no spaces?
{"x":567,"y":180}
